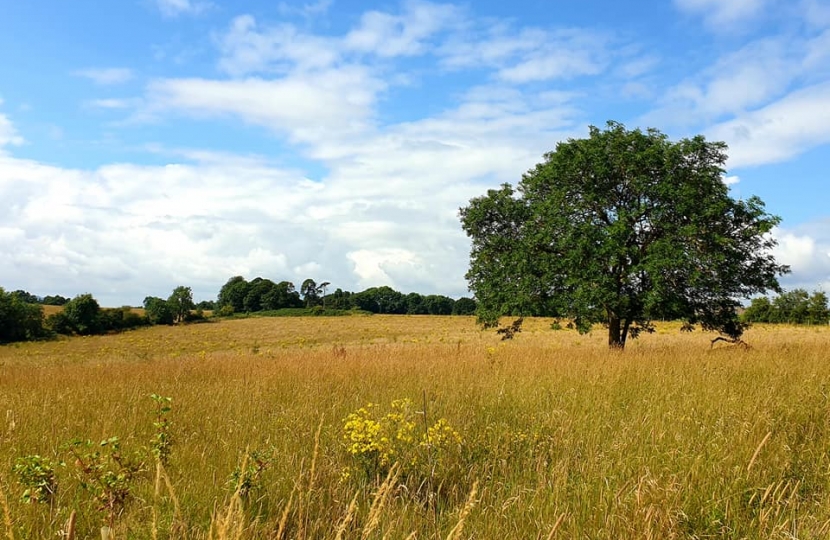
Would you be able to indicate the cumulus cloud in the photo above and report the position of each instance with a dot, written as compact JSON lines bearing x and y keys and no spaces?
{"x":106,"y":76}
{"x":806,"y":249}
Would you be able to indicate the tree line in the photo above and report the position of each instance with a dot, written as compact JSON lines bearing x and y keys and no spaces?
{"x":22,"y":317}
{"x":261,"y":294}
{"x":793,"y":307}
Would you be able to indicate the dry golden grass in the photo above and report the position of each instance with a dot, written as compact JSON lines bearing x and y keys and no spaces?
{"x":562,"y":437}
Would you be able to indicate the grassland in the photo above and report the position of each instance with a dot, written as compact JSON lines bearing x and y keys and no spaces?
{"x":560,"y":437}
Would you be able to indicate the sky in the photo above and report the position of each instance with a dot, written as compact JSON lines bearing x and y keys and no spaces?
{"x":146,"y":144}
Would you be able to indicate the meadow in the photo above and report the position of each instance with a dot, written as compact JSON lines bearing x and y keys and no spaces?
{"x":270,"y":432}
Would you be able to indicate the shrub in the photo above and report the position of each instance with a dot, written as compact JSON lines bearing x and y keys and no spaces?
{"x":37,"y":475}
{"x":19,"y":321}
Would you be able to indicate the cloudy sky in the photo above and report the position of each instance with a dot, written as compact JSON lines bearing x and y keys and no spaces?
{"x":146,"y":144}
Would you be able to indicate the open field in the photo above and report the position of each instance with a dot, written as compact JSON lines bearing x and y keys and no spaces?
{"x":559,"y":437}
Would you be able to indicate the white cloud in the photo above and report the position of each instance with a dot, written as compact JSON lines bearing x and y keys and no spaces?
{"x":8,"y":133}
{"x":246,"y":49}
{"x":528,"y":54}
{"x":406,"y":34}
{"x":807,"y":250}
{"x":778,"y":131}
{"x":106,"y":76}
{"x":722,"y":14}
{"x":731,"y":180}
{"x":113,"y":103}
{"x":737,"y":82}
{"x":174,"y":8}
{"x":305,"y":105}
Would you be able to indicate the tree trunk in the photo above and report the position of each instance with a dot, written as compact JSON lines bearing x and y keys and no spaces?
{"x":616,"y":339}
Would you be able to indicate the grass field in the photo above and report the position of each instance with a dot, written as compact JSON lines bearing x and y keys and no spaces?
{"x":558,"y":437}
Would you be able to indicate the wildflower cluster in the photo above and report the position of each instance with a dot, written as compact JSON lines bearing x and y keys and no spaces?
{"x":378,"y":441}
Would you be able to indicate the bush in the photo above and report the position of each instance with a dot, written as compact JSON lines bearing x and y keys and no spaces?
{"x":83,"y":315}
{"x":19,"y":320}
{"x":158,"y":310}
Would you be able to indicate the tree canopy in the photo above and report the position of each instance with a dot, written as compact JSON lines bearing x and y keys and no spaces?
{"x":623,"y":227}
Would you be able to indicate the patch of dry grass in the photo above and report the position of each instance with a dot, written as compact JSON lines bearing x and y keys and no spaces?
{"x":562,"y":438}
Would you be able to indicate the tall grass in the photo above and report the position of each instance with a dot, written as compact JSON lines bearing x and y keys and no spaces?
{"x":562,"y":438}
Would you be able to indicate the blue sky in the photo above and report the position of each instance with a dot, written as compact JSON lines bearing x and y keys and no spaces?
{"x":146,"y":144}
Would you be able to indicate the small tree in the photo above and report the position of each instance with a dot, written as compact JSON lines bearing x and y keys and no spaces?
{"x":622,"y":228}
{"x":181,"y":303}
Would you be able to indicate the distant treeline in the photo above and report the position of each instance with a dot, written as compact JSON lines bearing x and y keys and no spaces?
{"x":22,"y":317}
{"x":792,"y":307}
{"x":241,"y":296}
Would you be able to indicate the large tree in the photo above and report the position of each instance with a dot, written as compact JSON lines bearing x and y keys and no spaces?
{"x":622,"y":228}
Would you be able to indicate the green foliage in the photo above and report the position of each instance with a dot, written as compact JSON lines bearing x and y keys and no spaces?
{"x":240,"y":296}
{"x":158,"y":310}
{"x":106,"y":473}
{"x":464,"y":306}
{"x":56,"y":300}
{"x":438,"y":304}
{"x":81,"y":315}
{"x":248,"y":476}
{"x":206,"y":305}
{"x":19,"y":320}
{"x":380,"y":300}
{"x":26,"y":297}
{"x":37,"y":476}
{"x":339,"y":299}
{"x":225,"y":311}
{"x":233,"y":294}
{"x":622,"y":228}
{"x":181,"y":303}
{"x":793,"y":307}
{"x":310,"y":292}
{"x":161,"y":445}
{"x":123,"y":318}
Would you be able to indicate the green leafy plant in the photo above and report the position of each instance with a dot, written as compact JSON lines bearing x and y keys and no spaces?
{"x":247,"y":477}
{"x":161,"y":445}
{"x":37,"y":476}
{"x":107,"y":473}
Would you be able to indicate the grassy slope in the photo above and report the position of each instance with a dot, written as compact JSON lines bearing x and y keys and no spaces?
{"x":560,"y":435}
